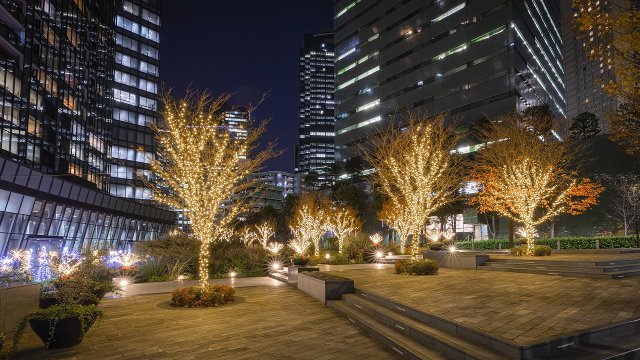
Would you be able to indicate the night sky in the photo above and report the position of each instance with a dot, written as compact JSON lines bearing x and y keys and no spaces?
{"x":247,"y":48}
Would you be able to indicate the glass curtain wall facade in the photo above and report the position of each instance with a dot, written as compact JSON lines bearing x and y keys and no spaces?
{"x":465,"y":59}
{"x":56,"y":69}
{"x":315,"y":152}
{"x":56,"y":81}
{"x":136,"y":100}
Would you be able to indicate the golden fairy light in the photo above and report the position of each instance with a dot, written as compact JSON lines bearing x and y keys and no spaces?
{"x":416,"y":172}
{"x":376,"y":239}
{"x":529,"y":179}
{"x":263,"y":232}
{"x":310,"y":220}
{"x":343,"y":221}
{"x":202,"y":167}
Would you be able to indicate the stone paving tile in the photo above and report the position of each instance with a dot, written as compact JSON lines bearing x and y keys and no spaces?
{"x":525,"y":308}
{"x":265,"y":323}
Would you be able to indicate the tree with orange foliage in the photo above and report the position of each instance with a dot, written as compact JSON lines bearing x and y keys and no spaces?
{"x":529,"y":180}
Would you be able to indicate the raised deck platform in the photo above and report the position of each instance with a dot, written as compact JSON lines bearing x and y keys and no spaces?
{"x":591,"y":265}
{"x":472,"y":314}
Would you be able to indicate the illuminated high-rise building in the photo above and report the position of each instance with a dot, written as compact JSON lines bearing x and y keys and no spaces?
{"x":463,"y":59}
{"x":57,"y":66}
{"x":584,"y":78}
{"x":315,"y":152}
{"x":135,"y":106}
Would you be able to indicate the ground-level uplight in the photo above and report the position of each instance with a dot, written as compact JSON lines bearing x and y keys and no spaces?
{"x":390,"y":253}
{"x":327,"y":256}
{"x":122,"y":282}
{"x":181,"y":277}
{"x":379,"y":254}
{"x":452,"y":248}
{"x":232,"y":274}
{"x":276,"y":266}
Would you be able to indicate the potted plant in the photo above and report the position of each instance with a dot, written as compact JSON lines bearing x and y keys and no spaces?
{"x":59,"y":326}
{"x":299,"y":260}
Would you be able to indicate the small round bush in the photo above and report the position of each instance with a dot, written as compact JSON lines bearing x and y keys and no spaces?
{"x":538,"y":250}
{"x":436,"y":246}
{"x":541,"y":250}
{"x":199,"y":296}
{"x":417,"y":267}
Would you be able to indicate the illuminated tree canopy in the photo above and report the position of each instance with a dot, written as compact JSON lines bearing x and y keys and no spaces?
{"x":416,"y":171}
{"x":343,"y":221}
{"x":201,"y":169}
{"x":527,"y":179}
{"x":310,"y":221}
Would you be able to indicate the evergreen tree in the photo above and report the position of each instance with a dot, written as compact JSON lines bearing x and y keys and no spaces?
{"x":584,"y":125}
{"x":625,"y":127}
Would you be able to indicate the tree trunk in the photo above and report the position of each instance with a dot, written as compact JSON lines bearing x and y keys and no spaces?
{"x":316,"y":251}
{"x":204,"y":263}
{"x":552,"y":229}
{"x":511,"y":230}
{"x":494,"y":231}
{"x":637,"y":230}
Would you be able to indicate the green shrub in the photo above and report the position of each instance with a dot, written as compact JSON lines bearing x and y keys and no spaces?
{"x":244,"y":260}
{"x":538,"y":250}
{"x":483,"y":245}
{"x":436,"y":246}
{"x":541,"y":250}
{"x":566,"y":243}
{"x":178,"y":253}
{"x":199,"y":296}
{"x":416,"y":267}
{"x":152,"y":271}
{"x":356,"y":246}
{"x":519,"y":250}
{"x":335,"y":259}
{"x":393,"y":248}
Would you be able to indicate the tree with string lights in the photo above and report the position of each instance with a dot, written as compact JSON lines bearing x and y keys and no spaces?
{"x":396,"y":219}
{"x":202,"y":167}
{"x":310,"y":220}
{"x":263,"y":232}
{"x":343,"y":221}
{"x":528,"y":179}
{"x":416,"y":170}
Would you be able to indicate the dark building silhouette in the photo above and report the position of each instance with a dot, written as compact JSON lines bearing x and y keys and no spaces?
{"x":315,"y":152}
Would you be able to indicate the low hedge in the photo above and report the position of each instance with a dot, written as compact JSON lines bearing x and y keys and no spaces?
{"x":416,"y":267}
{"x":566,"y":243}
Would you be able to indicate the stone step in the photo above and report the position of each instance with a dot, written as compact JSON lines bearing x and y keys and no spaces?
{"x":582,"y":274}
{"x":453,"y":346}
{"x":612,"y":262}
{"x":565,"y":267}
{"x":280,"y":275}
{"x":405,"y":347}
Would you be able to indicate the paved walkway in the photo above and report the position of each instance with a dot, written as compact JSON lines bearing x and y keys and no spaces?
{"x":264,"y":323}
{"x":523,"y":308}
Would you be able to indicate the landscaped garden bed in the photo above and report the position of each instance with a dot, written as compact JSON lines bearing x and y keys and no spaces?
{"x":202,"y":296}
